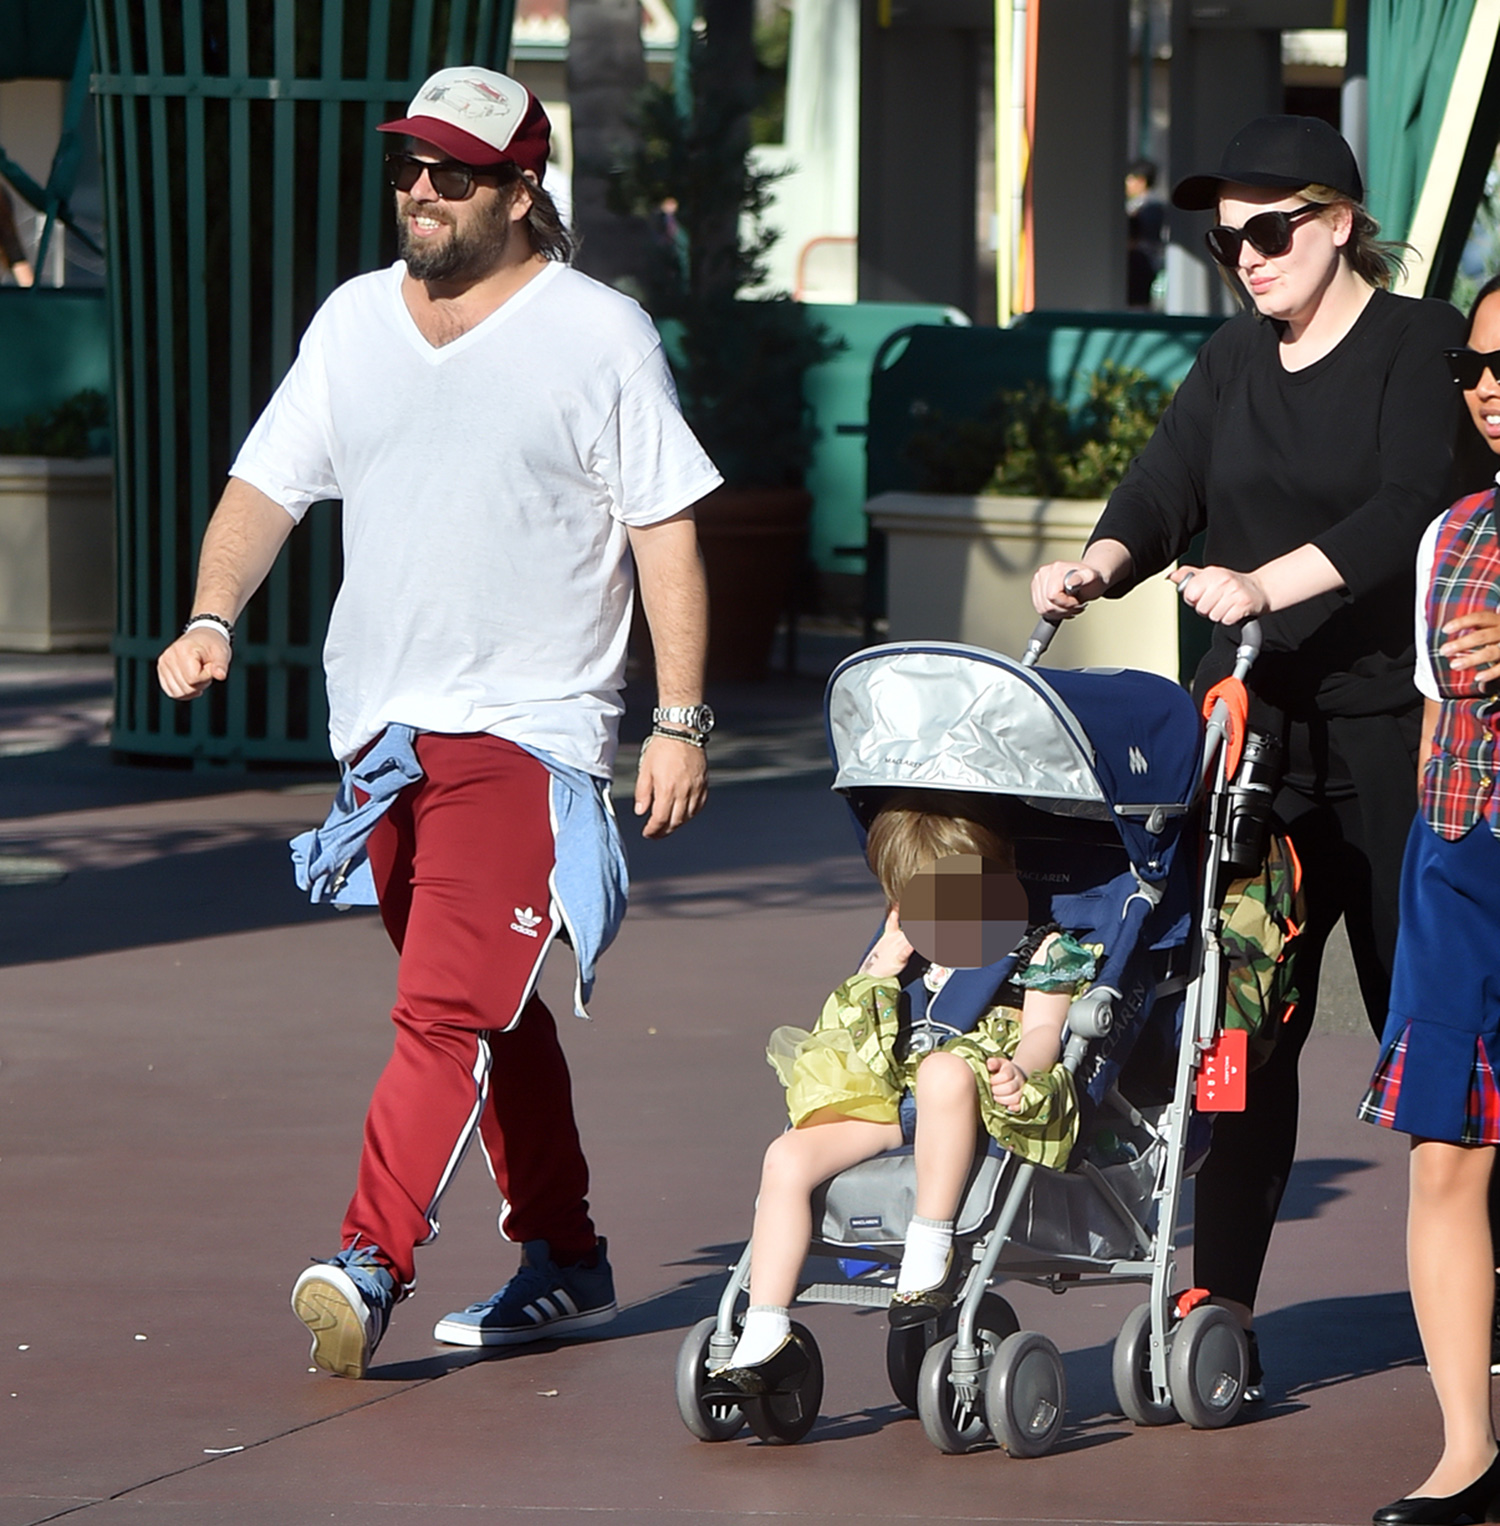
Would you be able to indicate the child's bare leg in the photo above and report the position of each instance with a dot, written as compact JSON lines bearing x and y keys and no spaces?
{"x":947,"y":1131}
{"x":947,"y":1127}
{"x":795,"y":1163}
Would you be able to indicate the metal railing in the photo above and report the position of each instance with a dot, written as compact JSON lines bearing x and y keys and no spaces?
{"x":243,"y":181}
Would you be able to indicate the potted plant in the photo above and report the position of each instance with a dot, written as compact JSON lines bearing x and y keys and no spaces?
{"x":57,"y":529}
{"x":739,"y":360}
{"x":1021,"y":483}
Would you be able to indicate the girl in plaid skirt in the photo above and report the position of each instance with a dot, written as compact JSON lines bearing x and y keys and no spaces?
{"x":1435,"y":1078}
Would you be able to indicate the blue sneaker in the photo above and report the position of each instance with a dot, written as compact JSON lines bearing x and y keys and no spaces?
{"x":346,"y":1302}
{"x":543,"y":1299}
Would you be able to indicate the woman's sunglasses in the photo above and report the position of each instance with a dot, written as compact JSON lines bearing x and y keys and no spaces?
{"x":1270,"y":233}
{"x":1468,"y":366}
{"x":451,"y":179}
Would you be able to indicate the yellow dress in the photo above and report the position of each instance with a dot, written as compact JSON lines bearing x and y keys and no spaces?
{"x":849,"y":1061}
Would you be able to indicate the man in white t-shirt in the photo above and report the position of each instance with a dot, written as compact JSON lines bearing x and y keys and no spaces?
{"x":504,"y":436}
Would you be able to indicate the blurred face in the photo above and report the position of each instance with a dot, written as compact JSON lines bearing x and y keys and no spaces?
{"x":1290,"y":285}
{"x":1483,"y":401}
{"x":963,"y":911}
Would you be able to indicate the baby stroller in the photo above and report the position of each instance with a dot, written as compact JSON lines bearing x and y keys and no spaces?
{"x":1117,"y":801}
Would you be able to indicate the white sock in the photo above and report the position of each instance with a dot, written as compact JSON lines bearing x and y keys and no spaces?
{"x":766,"y":1326}
{"x":925,"y":1259}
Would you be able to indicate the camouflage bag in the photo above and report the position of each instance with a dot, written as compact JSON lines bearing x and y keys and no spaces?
{"x":1260,"y":921}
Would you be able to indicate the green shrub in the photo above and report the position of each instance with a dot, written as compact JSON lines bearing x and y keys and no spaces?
{"x":77,"y":427}
{"x":1026,"y":442}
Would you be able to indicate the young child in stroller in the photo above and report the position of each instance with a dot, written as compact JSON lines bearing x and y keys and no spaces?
{"x":856,"y":1089}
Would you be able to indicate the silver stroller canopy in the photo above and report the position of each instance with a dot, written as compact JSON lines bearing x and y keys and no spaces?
{"x":943,"y":717}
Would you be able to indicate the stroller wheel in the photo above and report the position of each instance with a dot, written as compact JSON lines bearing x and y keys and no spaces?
{"x":1207,"y":1367}
{"x":952,"y":1417}
{"x":1132,"y":1371}
{"x":1026,"y":1394}
{"x":905,"y":1349}
{"x":789,"y":1417}
{"x":708,"y":1422}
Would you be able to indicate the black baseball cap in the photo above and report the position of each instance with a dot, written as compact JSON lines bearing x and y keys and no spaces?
{"x":1279,"y":152}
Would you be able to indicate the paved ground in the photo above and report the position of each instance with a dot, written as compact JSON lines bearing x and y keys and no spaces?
{"x":185,"y":1052}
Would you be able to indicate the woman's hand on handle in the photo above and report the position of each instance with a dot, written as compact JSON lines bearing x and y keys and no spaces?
{"x":1220,"y":595}
{"x":1061,"y":589}
{"x":1230,"y":598}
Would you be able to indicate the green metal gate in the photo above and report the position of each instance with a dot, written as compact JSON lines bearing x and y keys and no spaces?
{"x":243,"y":181}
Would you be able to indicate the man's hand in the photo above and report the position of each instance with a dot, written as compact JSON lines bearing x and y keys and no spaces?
{"x":241,"y":542}
{"x":671,"y":784}
{"x":192,"y":663}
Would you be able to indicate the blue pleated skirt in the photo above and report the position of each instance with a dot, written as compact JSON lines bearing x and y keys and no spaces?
{"x":1436,"y":1073}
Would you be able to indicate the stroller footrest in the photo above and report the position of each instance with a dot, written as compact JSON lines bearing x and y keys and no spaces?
{"x":861,"y":1294}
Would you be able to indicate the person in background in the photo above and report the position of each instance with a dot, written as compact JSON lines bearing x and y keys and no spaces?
{"x":12,"y":250}
{"x":1146,"y":230}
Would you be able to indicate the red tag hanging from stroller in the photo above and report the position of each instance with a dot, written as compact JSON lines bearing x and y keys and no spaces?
{"x":1221,"y":1077}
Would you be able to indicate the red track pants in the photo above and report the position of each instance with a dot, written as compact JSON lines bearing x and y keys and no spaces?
{"x":462,"y":862}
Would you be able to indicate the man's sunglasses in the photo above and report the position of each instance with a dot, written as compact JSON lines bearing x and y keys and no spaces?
{"x":1268,"y":232}
{"x":1468,"y":366}
{"x":452,"y":180}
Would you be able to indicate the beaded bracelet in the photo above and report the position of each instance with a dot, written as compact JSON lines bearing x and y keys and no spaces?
{"x":211,"y":622}
{"x":696,"y":739}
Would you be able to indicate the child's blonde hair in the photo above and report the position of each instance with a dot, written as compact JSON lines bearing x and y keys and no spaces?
{"x":916,"y":829}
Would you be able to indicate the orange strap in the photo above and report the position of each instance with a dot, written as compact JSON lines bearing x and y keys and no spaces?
{"x":1232,"y":691}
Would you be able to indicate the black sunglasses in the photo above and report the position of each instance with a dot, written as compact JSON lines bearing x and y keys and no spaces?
{"x":451,"y":179}
{"x":1468,"y":366}
{"x":1268,"y":232}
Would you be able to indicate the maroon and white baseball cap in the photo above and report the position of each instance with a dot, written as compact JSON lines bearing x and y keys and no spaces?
{"x":480,"y":118}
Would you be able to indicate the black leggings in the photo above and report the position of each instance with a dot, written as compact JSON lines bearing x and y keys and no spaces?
{"x":1347,"y":803}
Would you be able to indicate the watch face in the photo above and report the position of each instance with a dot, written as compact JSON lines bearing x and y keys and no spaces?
{"x":698,"y":717}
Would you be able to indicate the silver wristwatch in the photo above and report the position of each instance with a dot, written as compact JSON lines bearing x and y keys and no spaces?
{"x":697,"y":718}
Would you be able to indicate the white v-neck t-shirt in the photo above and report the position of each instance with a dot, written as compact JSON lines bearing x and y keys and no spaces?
{"x":487,"y":485}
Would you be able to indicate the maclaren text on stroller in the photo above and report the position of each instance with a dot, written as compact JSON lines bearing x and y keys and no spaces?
{"x":1119,"y":805}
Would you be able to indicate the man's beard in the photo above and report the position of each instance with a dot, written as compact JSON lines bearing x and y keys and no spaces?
{"x":465,"y":255}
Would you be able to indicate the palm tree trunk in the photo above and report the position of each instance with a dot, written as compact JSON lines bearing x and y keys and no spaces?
{"x":606,"y":74}
{"x":726,"y":77}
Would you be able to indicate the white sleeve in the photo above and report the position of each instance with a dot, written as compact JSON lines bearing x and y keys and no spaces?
{"x":287,"y":453}
{"x":1426,"y":554}
{"x":649,"y":459}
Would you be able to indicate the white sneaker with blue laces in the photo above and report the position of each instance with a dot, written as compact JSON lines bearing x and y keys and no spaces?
{"x":542,"y":1300}
{"x":346,"y":1302}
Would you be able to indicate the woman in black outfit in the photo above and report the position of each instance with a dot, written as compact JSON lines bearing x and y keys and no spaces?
{"x":1312,"y":441}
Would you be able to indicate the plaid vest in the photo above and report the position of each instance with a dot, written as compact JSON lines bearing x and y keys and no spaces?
{"x":1459,"y":778}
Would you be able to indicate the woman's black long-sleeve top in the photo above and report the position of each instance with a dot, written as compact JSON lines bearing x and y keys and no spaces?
{"x":1353,"y":454}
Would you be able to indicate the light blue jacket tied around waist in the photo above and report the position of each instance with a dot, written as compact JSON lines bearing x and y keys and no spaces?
{"x":590,"y":882}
